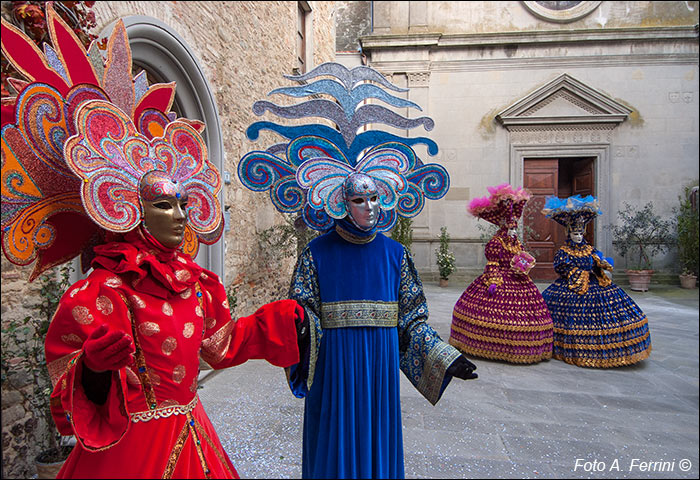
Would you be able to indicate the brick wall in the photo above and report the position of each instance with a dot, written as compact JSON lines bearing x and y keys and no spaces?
{"x":244,"y":48}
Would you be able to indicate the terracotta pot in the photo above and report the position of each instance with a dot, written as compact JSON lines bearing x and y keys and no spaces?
{"x":48,"y":470}
{"x":639,"y":279}
{"x":688,"y":281}
{"x":444,"y":282}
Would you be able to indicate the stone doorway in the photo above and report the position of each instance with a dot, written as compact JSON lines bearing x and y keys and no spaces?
{"x":561,"y":177}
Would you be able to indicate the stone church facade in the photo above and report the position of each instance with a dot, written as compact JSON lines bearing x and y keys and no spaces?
{"x":562,"y":97}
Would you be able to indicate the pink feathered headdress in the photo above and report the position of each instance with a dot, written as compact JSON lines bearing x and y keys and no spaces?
{"x":504,"y":203}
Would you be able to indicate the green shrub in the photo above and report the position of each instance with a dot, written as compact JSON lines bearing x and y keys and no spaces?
{"x":445,"y":258}
{"x":641,"y":234}
{"x":687,"y":232}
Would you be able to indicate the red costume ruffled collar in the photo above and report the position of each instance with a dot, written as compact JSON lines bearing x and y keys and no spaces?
{"x":147,"y":265}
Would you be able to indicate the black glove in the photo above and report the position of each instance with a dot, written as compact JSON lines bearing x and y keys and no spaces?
{"x":302,"y":324}
{"x":462,"y":368}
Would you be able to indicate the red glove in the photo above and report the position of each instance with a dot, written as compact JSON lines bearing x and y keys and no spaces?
{"x":107,"y":349}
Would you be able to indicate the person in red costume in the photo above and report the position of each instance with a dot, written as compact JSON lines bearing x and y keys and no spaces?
{"x":125,"y":343}
{"x":95,"y":165}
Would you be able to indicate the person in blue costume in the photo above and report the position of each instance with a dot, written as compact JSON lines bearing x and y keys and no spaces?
{"x":365,"y":311}
{"x":596,"y":324}
{"x":368,"y":322}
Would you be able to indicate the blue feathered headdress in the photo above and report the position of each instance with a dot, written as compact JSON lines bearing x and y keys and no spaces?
{"x":304,"y":172}
{"x":576,"y":209}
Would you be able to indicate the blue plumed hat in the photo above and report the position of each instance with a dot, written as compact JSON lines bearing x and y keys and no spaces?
{"x":305,"y":172}
{"x":572,"y":211}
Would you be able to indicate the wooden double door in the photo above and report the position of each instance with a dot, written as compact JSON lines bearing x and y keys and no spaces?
{"x":561,"y":177}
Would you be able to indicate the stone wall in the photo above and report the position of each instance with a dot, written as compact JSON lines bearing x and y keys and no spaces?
{"x":244,"y":49}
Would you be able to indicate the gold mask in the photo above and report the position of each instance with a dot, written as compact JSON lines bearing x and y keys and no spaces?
{"x":164,"y":204}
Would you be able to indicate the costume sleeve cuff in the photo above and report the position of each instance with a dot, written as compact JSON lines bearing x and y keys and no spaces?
{"x":96,"y":427}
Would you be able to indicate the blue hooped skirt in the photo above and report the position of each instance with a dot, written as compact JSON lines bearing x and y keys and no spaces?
{"x":601,"y":328}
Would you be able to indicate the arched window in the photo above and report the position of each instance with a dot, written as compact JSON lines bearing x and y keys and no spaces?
{"x":164,"y":55}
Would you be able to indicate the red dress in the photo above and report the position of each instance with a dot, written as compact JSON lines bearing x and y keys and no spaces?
{"x":152,"y":424}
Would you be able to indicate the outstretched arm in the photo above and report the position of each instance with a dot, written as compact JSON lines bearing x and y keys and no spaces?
{"x":424,"y":357}
{"x":269,"y":334}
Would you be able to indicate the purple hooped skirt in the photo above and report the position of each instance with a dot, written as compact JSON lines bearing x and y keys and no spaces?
{"x":513,"y":325}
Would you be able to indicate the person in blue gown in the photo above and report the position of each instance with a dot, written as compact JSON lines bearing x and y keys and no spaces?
{"x":368,"y":322}
{"x":365,"y":311}
{"x":596,"y":324}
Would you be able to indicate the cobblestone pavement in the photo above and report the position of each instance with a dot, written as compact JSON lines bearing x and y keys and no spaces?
{"x":548,"y":420}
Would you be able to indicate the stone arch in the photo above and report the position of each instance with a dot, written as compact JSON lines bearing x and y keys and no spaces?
{"x":159,"y":50}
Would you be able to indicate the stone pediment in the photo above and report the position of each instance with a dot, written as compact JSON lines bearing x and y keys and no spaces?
{"x":564,"y":100}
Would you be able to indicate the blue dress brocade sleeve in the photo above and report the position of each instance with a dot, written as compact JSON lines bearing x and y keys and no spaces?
{"x":424,"y":357}
{"x":576,"y":279}
{"x":304,"y":289}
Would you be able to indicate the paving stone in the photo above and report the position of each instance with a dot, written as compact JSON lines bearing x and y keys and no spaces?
{"x":514,"y":421}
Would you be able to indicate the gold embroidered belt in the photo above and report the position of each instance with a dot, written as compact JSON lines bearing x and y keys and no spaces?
{"x":359,"y":314}
{"x":164,"y":412}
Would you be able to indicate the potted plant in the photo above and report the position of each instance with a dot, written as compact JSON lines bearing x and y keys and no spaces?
{"x":639,"y":236}
{"x":445,"y":258}
{"x":24,"y":370}
{"x":687,"y":235}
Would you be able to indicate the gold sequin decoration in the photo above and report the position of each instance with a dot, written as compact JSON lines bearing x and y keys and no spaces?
{"x":193,"y":424}
{"x":113,"y":282}
{"x":140,"y":361}
{"x":131,"y":377}
{"x":82,"y":315}
{"x":169,"y":345}
{"x":578,"y":251}
{"x":149,"y":328}
{"x":225,"y":303}
{"x":514,"y":248}
{"x":188,"y":330}
{"x":605,"y":362}
{"x":182,"y":275}
{"x":60,"y":366}
{"x":153,"y":376}
{"x":104,"y":305}
{"x":186,"y":294}
{"x":167,"y":309}
{"x":199,"y":312}
{"x":214,"y":348}
{"x":181,"y":259}
{"x":203,"y":435}
{"x":136,"y":301}
{"x":168,"y":403}
{"x":193,"y":385}
{"x":210,"y":322}
{"x":72,"y":339}
{"x":179,"y":373}
{"x":175,"y":452}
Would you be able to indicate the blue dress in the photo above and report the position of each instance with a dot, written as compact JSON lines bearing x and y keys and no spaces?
{"x":368,"y":322}
{"x":596,"y":324}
